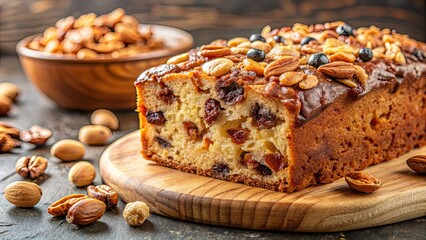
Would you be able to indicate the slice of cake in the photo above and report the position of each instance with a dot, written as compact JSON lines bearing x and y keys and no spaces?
{"x":286,"y":108}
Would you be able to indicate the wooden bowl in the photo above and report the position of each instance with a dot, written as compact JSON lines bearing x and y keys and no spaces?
{"x":97,"y":83}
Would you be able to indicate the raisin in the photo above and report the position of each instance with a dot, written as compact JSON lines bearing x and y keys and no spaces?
{"x":263,"y":170}
{"x":275,"y":161}
{"x":163,"y":142}
{"x":247,"y":160}
{"x":229,"y":90}
{"x":419,"y":54}
{"x":220,"y":169}
{"x":238,"y":135}
{"x":191,"y":129}
{"x":156,"y":118}
{"x":262,"y":117}
{"x":211,"y":110}
{"x":166,"y":95}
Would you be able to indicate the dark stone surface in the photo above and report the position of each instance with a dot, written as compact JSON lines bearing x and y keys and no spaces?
{"x":16,"y":223}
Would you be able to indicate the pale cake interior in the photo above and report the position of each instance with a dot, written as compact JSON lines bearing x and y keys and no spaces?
{"x":213,"y":152}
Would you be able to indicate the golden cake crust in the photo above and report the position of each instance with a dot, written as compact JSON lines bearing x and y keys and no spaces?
{"x":267,"y":112}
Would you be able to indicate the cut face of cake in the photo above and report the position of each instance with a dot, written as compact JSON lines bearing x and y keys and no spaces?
{"x":287,"y":108}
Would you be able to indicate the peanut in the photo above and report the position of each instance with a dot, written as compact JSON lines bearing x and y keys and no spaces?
{"x":68,"y":150}
{"x":95,"y":135}
{"x":106,"y":118}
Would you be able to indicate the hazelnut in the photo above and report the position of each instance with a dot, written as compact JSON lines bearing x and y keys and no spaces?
{"x":106,"y":118}
{"x":135,"y":213}
{"x":82,"y":174}
{"x":68,"y":150}
{"x":94,"y":135}
{"x":9,"y":90}
{"x":23,"y":194}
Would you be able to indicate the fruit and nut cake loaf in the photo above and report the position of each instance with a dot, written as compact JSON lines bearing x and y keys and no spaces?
{"x":286,"y":108}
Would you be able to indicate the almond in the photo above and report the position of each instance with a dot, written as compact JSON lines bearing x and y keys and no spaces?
{"x":338,"y":69}
{"x":86,"y":211}
{"x":417,"y":163}
{"x":23,"y":194}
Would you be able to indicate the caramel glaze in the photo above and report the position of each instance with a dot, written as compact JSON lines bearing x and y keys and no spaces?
{"x":382,"y":74}
{"x":307,"y":104}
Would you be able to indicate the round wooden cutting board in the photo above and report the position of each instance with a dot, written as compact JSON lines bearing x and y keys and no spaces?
{"x":325,"y":208}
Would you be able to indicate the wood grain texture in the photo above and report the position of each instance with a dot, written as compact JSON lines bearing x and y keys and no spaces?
{"x":100,"y":83}
{"x":325,"y":208}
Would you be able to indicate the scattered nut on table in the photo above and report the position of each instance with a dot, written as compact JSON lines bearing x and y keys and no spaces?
{"x":23,"y":194}
{"x":104,"y":193}
{"x":32,"y":167}
{"x":61,"y":207}
{"x":7,"y":143}
{"x":135,"y":213}
{"x":106,"y":118}
{"x":417,"y":163}
{"x":82,"y":174}
{"x":68,"y":150}
{"x":95,"y":135}
{"x":5,"y":105}
{"x":86,"y":211}
{"x":363,"y":182}
{"x":9,"y":90}
{"x":36,"y":135}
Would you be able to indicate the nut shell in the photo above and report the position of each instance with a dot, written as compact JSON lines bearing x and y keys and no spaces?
{"x":86,"y":211}
{"x":68,"y":150}
{"x":23,"y":194}
{"x":82,"y":174}
{"x":36,"y":135}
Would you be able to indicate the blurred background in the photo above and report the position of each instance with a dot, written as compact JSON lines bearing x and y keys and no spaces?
{"x":211,"y":19}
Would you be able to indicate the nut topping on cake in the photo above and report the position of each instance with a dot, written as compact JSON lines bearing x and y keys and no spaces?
{"x":337,"y":45}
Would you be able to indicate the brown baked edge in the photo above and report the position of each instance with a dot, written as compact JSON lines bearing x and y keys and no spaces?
{"x":320,"y":160}
{"x":274,"y":186}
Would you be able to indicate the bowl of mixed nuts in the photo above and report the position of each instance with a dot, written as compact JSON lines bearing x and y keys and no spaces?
{"x":91,"y":62}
